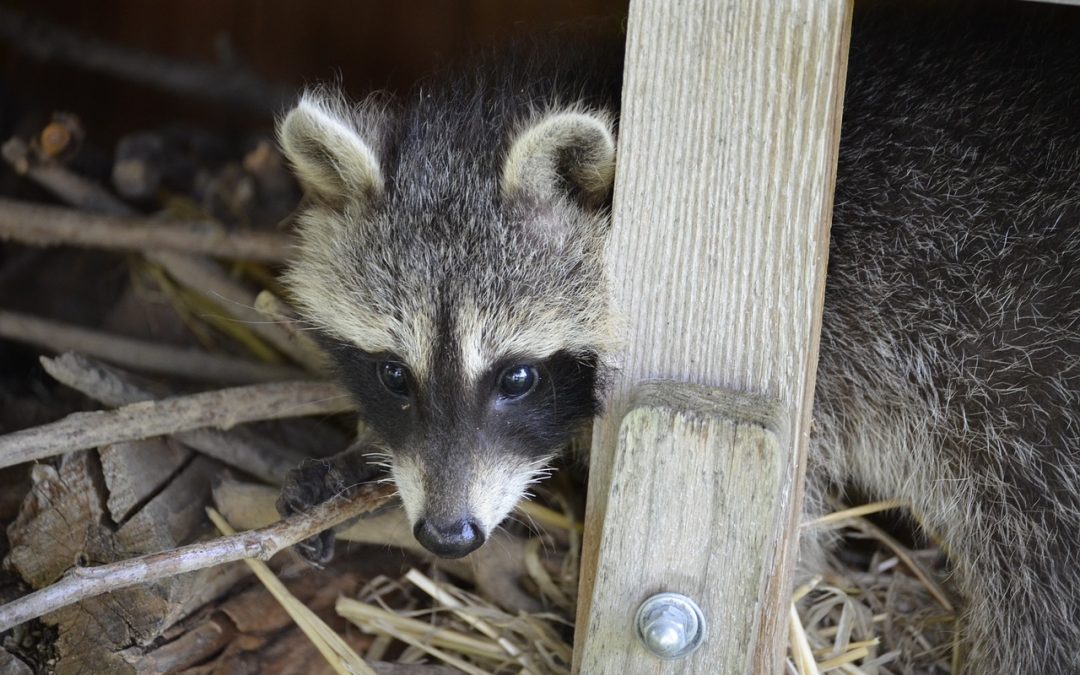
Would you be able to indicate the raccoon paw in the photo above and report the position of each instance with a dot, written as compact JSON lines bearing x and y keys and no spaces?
{"x":310,"y":484}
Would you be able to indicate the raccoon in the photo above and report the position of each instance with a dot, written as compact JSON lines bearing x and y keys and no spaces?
{"x":452,"y":261}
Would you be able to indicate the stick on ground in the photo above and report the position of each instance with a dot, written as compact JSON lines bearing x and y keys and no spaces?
{"x":86,"y":582}
{"x":260,"y":455}
{"x":40,"y":225}
{"x":223,"y":409}
{"x":142,"y":355}
{"x":208,"y":279}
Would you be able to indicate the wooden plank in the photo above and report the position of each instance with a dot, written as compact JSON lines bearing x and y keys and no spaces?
{"x":711,"y":543}
{"x":727,"y":157}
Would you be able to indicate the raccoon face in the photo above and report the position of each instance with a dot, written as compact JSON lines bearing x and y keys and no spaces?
{"x":458,"y":285}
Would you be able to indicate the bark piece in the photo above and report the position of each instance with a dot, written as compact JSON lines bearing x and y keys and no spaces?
{"x":12,"y":665}
{"x":136,"y":470}
{"x":65,"y":522}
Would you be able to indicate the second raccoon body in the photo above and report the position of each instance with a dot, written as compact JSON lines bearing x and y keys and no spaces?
{"x":452,"y":260}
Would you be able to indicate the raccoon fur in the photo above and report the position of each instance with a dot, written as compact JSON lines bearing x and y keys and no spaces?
{"x":452,"y":260}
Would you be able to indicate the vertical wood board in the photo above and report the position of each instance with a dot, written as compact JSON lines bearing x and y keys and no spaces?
{"x":727,"y":159}
{"x":711,"y":542}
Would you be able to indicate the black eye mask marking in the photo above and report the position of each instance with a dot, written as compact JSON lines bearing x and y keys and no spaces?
{"x":381,"y":384}
{"x":561,"y":397}
{"x":520,"y":405}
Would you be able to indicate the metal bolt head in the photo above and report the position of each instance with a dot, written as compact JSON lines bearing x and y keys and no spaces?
{"x":670,"y":625}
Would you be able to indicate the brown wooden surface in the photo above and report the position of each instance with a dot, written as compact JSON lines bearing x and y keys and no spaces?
{"x":727,"y":159}
{"x":712,"y":542}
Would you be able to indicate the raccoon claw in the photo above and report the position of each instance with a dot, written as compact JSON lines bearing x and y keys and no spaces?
{"x":310,"y":484}
{"x":317,"y":550}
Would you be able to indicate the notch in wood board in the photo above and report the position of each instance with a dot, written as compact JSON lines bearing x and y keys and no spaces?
{"x":721,"y":455}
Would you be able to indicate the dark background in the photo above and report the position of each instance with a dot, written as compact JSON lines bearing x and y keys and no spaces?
{"x":368,"y":45}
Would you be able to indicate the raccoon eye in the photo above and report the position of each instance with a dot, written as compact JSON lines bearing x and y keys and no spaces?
{"x":516,"y":381}
{"x":395,"y":377}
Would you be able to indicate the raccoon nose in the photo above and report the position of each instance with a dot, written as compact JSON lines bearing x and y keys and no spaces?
{"x":454,"y":540}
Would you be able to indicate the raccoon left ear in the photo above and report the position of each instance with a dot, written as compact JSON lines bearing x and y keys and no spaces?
{"x":568,"y":153}
{"x":331,"y":148}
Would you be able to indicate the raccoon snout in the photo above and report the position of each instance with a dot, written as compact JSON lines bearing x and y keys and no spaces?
{"x":452,"y":540}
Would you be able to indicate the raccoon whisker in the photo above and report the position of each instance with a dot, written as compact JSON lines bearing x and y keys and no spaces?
{"x":535,"y":530}
{"x":247,"y":322}
{"x":526,"y":521}
{"x":322,"y":400}
{"x":343,"y":491}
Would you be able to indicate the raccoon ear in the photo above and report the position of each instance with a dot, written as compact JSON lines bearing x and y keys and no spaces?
{"x":569,"y":153}
{"x":324,"y":140}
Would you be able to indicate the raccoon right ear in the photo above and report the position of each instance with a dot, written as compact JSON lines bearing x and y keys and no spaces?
{"x":324,"y":140}
{"x":567,"y":153}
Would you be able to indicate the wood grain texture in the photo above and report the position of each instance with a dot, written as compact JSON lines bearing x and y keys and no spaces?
{"x":712,"y":542}
{"x":727,"y":159}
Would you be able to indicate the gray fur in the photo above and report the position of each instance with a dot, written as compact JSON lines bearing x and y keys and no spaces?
{"x":474,"y":231}
{"x":950,"y":354}
{"x":949,"y":370}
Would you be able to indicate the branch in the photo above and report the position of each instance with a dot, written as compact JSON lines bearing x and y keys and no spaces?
{"x":223,"y":409}
{"x":201,"y":275}
{"x":81,"y":583}
{"x":40,"y":225}
{"x":141,"y":355}
{"x":208,"y":279}
{"x":256,"y":454}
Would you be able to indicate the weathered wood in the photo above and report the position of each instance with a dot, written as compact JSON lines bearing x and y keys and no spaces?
{"x":138,"y":354}
{"x":711,"y":542}
{"x":137,"y":470}
{"x":727,"y":157}
{"x":63,"y":523}
{"x":10,"y":665}
{"x":39,"y":225}
{"x":80,"y":583}
{"x":258,"y":454}
{"x":223,"y":409}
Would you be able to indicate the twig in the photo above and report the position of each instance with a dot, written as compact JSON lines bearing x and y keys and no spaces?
{"x":96,"y":380}
{"x":46,"y":41}
{"x":138,"y":354}
{"x":223,"y":409}
{"x":457,"y":607}
{"x":81,"y":583}
{"x":341,"y":657}
{"x":854,"y":512}
{"x":208,"y":279}
{"x":40,"y":225}
{"x":901,"y":552}
{"x":70,"y":187}
{"x":197,"y":273}
{"x":125,"y":230}
{"x":270,"y":306}
{"x":242,"y":448}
